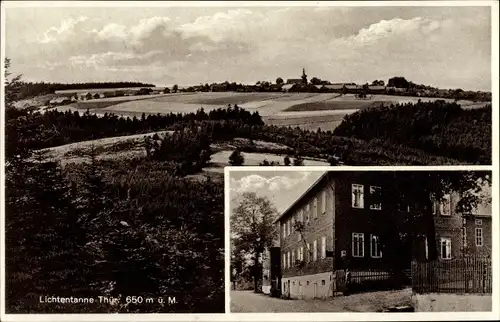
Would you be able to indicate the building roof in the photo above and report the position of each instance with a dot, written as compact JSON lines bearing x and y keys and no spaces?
{"x":288,"y":86}
{"x":352,"y":86}
{"x":301,"y":196}
{"x":334,"y":86}
{"x":318,"y":86}
{"x":376,"y":87}
{"x":294,"y":80}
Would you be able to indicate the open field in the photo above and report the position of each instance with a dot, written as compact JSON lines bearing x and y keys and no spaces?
{"x":335,"y":105}
{"x":306,"y":110}
{"x":132,"y":146}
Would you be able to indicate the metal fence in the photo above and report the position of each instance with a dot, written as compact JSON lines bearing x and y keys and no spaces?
{"x":469,"y":274}
{"x":371,"y":280}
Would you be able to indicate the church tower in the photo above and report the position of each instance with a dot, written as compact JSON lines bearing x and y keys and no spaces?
{"x":304,"y":76}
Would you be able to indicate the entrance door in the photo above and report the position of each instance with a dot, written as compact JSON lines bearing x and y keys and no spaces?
{"x":315,"y":290}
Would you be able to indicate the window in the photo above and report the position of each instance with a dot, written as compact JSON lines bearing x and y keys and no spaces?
{"x":357,"y":196}
{"x":288,"y":260}
{"x":293,"y":224}
{"x":358,"y":245}
{"x":323,"y":202}
{"x":307,"y":213}
{"x":288,"y":227}
{"x":479,"y":222}
{"x":375,"y":250}
{"x":315,"y":210}
{"x":434,"y":206}
{"x":323,"y":282}
{"x":293,"y":257}
{"x":376,"y":198}
{"x":323,"y":247}
{"x":445,"y":206}
{"x":308,"y":252}
{"x":446,"y":248}
{"x":464,"y":237}
{"x":479,"y":236}
{"x":301,"y":215}
{"x":284,"y":261}
{"x":301,"y":253}
{"x":315,"y":250}
{"x":426,"y":248}
{"x":284,"y":229}
{"x":299,"y":236}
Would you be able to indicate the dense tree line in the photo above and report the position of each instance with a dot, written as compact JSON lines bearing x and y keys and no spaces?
{"x":55,"y":128}
{"x":437,"y":128}
{"x":30,"y":89}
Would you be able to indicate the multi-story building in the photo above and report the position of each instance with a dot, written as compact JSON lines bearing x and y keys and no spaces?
{"x":461,"y":234}
{"x":346,"y":220}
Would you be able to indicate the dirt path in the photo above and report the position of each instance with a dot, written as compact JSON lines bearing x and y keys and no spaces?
{"x":247,"y":301}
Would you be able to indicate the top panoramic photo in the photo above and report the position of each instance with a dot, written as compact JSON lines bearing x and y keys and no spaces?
{"x":210,"y":86}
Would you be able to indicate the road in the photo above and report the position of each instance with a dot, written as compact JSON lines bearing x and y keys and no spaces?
{"x":247,"y":301}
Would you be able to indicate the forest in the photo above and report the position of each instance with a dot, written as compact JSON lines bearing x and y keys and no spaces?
{"x":31,"y":89}
{"x":437,"y":128}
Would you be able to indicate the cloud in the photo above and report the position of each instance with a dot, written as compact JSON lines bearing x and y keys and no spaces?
{"x":255,"y":182}
{"x":65,"y":30}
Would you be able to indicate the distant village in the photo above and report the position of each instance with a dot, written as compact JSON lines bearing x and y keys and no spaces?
{"x":394,"y":86}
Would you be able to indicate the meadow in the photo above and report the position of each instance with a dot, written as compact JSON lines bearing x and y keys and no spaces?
{"x":305,"y":110}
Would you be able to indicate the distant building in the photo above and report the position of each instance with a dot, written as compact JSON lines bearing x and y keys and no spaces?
{"x":294,"y":81}
{"x":85,"y":96}
{"x":376,"y":89}
{"x":353,"y":88}
{"x":333,"y":87}
{"x":288,"y":87}
{"x":59,"y":101}
{"x":459,"y":234}
{"x":299,"y":81}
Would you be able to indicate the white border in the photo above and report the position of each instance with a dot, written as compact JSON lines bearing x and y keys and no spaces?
{"x":282,"y":316}
{"x":226,"y":4}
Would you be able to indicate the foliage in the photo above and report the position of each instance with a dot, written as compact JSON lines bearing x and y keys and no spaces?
{"x":116,"y":234}
{"x":189,"y":147}
{"x":236,"y":158}
{"x":298,"y":161}
{"x":253,"y":229}
{"x":399,"y":82}
{"x":269,"y":164}
{"x":437,"y":128}
{"x":30,"y":89}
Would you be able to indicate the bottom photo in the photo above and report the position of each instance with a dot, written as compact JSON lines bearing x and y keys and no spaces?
{"x":360,"y":241}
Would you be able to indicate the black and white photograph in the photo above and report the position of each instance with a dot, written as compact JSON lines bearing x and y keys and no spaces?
{"x":360,"y":241}
{"x":121,"y":119}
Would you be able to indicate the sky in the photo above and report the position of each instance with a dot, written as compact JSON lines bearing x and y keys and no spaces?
{"x":447,"y":47}
{"x":282,"y":188}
